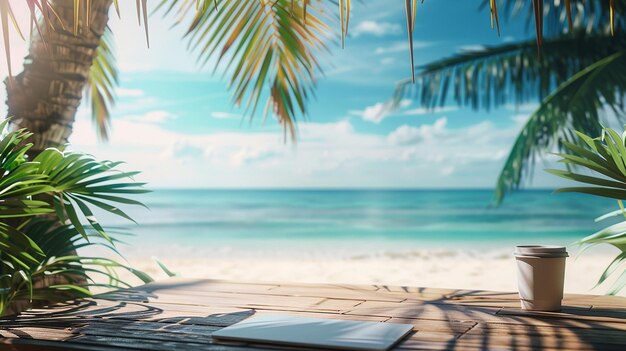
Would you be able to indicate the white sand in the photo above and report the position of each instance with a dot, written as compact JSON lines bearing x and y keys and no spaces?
{"x":491,"y":270}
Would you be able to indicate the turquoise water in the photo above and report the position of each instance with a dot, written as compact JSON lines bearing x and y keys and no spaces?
{"x":378,"y":218}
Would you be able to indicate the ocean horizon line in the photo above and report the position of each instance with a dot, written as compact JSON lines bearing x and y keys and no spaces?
{"x":349,"y":189}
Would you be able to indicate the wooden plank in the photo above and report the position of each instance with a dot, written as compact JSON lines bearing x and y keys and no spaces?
{"x":184,"y":285}
{"x":421,"y":310}
{"x":64,"y":309}
{"x":339,"y":305}
{"x":336,"y":293}
{"x":605,"y":301}
{"x":452,"y":312}
{"x":538,"y":343}
{"x":461,"y":345}
{"x":589,"y":334}
{"x":361,"y":287}
{"x":488,"y":336}
{"x":566,"y":314}
{"x":502,"y":300}
{"x":427,"y":291}
{"x":496,"y":303}
{"x":218,"y":299}
{"x":619,"y":313}
{"x":35,"y":332}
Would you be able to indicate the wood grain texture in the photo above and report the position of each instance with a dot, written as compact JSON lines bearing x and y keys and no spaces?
{"x":181,"y":314}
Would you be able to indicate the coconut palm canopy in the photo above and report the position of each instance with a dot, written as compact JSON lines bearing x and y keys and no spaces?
{"x":270,"y":48}
{"x":574,"y":67}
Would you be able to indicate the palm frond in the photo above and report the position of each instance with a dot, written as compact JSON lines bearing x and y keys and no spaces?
{"x":605,"y":157}
{"x":18,"y":248}
{"x":36,"y":250}
{"x":264,"y":47}
{"x":13,"y":147}
{"x":79,"y":180}
{"x":19,"y":179}
{"x":103,"y":79}
{"x":507,"y":73}
{"x":575,"y":105}
{"x":568,"y":81}
{"x":560,"y":16}
{"x":589,"y":14}
{"x":45,"y":249}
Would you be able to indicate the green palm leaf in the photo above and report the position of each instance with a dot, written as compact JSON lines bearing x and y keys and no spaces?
{"x":590,"y":15}
{"x":34,"y":249}
{"x":79,"y":179}
{"x":103,"y":79}
{"x":576,"y":104}
{"x":568,"y":80}
{"x":508,"y":73}
{"x":605,"y":155}
{"x":19,"y":180}
{"x":264,"y":46}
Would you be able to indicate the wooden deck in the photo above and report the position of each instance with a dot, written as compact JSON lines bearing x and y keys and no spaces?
{"x":182,"y":314}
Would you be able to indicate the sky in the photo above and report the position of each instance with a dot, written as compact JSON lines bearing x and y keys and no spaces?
{"x":175,"y":121}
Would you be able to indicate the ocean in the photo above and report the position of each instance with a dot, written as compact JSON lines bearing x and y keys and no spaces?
{"x":354,"y":221}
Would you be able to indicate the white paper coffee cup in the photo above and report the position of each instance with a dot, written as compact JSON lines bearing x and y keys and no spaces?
{"x":540,"y":276}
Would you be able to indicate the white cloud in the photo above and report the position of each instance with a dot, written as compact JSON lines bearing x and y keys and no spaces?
{"x":379,"y":111}
{"x":405,"y":103}
{"x":375,"y":28}
{"x":326,"y":155}
{"x":247,"y":155}
{"x":387,"y":60}
{"x":405,"y":134}
{"x":449,"y":150}
{"x":475,"y":47}
{"x":375,"y":113}
{"x":401,"y":46}
{"x":225,"y":115}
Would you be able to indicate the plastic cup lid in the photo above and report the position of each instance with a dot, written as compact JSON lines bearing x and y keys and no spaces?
{"x":541,"y":251}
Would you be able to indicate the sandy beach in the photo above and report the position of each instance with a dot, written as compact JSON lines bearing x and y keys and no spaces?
{"x":492,"y":270}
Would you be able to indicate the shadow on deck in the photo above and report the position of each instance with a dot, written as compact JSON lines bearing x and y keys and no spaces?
{"x":183,"y":315}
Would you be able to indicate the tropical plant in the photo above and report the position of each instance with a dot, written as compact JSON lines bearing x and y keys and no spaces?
{"x":577,"y":76}
{"x":605,"y":157}
{"x":43,"y":204}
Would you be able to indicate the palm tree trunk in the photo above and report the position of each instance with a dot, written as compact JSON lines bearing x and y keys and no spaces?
{"x":45,"y":96}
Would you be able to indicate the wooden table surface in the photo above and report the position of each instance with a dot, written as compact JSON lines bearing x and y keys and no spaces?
{"x":181,"y":315}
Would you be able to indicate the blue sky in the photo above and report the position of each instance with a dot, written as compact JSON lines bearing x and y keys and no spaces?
{"x":175,"y":121}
